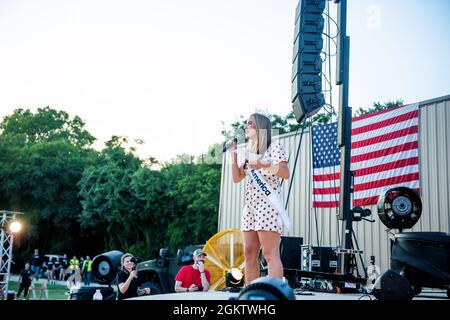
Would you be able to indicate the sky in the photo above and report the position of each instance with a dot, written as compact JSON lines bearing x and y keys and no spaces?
{"x":171,"y":71}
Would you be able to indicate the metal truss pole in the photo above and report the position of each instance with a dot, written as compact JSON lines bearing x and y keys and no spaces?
{"x":6,"y":246}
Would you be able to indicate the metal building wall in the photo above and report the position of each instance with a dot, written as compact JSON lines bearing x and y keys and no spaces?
{"x":321,"y":226}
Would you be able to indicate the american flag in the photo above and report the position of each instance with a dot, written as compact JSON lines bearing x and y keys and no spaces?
{"x":384,"y":154}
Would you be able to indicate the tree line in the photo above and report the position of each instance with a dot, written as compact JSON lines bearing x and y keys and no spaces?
{"x":79,"y":200}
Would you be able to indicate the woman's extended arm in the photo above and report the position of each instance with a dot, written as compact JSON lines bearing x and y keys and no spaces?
{"x":236,"y":171}
{"x":123,"y":287}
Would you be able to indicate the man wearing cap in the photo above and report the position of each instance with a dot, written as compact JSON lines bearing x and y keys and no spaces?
{"x":193,"y":277}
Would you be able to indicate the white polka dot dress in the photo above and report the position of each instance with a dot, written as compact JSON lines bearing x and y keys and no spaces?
{"x":258,"y":213}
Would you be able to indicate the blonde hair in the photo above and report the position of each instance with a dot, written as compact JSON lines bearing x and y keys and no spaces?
{"x":124,"y":256}
{"x":263,"y":134}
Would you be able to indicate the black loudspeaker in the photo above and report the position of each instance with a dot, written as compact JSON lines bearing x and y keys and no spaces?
{"x":105,"y":266}
{"x":391,"y":285}
{"x":306,"y":88}
{"x":290,"y":249}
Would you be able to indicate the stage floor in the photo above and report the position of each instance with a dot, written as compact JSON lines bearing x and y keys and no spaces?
{"x":221,"y":295}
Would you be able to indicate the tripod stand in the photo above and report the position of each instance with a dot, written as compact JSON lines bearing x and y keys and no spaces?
{"x":350,"y":264}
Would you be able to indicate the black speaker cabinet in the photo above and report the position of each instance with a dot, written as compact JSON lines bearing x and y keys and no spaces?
{"x":290,"y":249}
{"x":391,"y":285}
{"x":319,"y":258}
{"x":105,"y":266}
{"x":423,"y":258}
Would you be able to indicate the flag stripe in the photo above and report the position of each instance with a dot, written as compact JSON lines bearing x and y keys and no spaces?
{"x":385,"y":123}
{"x":370,"y":200}
{"x":387,"y":166}
{"x":385,"y":144}
{"x":365,"y":167}
{"x":387,"y":174}
{"x":326,"y":204}
{"x":363,"y":120}
{"x":330,"y":187}
{"x":327,"y":177}
{"x":397,"y":168}
{"x":329,"y":172}
{"x":381,"y":153}
{"x":385,"y":137}
{"x":330,"y":190}
{"x":365,"y":201}
{"x":326,"y":170}
{"x":366,"y":193}
{"x":384,"y":159}
{"x":383,"y":130}
{"x":386,"y":182}
{"x":378,"y":191}
{"x":325,"y":197}
{"x":326,"y":184}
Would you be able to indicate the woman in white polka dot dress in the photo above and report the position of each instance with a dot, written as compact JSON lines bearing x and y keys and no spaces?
{"x":260,"y":222}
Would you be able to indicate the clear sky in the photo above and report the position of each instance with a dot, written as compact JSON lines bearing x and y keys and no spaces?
{"x":169,"y":71}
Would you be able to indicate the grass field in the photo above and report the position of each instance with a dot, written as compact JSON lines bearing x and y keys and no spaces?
{"x":55,"y":291}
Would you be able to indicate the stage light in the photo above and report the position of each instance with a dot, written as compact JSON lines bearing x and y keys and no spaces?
{"x":15,"y":226}
{"x":267,"y":288}
{"x":234,"y":279}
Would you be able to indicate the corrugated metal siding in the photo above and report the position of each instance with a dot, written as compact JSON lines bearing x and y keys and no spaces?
{"x":321,"y":226}
{"x":434,"y":148}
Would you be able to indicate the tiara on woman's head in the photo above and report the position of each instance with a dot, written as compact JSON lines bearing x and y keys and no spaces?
{"x":264,"y":112}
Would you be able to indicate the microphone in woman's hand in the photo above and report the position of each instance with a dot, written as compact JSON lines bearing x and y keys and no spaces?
{"x":229,"y":144}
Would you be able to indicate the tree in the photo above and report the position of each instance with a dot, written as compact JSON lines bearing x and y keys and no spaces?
{"x":140,"y":210}
{"x":377,"y":106}
{"x":150,"y":188}
{"x":47,"y":124}
{"x":81,"y":201}
{"x":109,"y":205}
{"x":197,"y":199}
{"x":42,"y":157}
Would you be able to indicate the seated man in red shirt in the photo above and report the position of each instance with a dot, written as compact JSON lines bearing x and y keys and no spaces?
{"x":193,"y":277}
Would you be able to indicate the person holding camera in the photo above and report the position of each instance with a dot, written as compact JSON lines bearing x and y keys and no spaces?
{"x":128,"y":279}
{"x":193,"y":277}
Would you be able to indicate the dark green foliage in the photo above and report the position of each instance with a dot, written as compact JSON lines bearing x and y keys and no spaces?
{"x":377,"y":106}
{"x":81,"y":201}
{"x":24,"y":127}
{"x":42,"y":158}
{"x":197,"y":203}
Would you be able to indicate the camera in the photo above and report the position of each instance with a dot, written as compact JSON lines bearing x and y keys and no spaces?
{"x":134,"y":260}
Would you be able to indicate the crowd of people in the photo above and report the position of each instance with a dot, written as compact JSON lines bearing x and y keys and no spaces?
{"x":52,"y":268}
{"x":190,"y":278}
